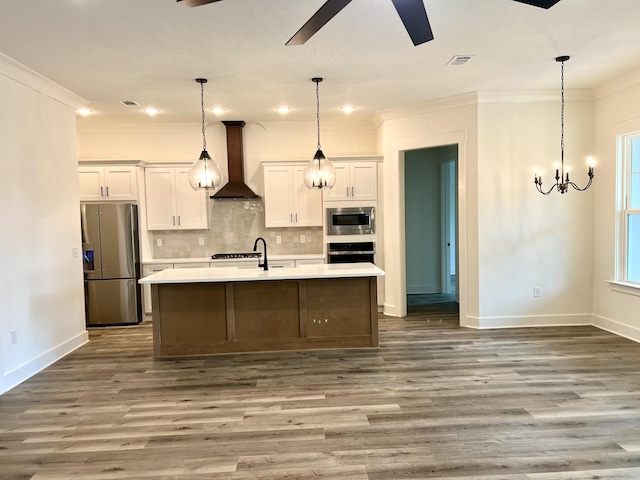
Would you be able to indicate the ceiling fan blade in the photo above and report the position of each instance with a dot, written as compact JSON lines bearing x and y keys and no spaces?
{"x":196,"y":3}
{"x":540,"y":3}
{"x":414,"y":16}
{"x":317,"y":21}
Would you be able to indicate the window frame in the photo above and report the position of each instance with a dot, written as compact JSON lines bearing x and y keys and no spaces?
{"x":622,"y":282}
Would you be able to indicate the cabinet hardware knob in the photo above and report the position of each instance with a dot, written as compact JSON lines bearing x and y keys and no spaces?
{"x":325,"y":320}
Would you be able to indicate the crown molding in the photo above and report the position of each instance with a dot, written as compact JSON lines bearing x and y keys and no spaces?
{"x":32,"y":79}
{"x":443,"y":103}
{"x":532,"y":96}
{"x":618,"y":84}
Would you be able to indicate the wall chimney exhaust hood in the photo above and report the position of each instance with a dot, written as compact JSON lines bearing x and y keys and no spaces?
{"x":235,"y":188}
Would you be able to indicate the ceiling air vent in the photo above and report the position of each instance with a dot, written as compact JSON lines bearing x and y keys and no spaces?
{"x":459,"y":60}
{"x":129,"y":103}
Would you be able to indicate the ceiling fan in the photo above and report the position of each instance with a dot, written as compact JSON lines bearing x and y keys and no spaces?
{"x":411,"y":12}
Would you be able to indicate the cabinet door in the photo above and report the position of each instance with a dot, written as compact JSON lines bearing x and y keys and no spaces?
{"x":146,"y":288}
{"x":338,"y":307}
{"x":307,"y":203}
{"x":363,"y":181}
{"x":191,"y":205}
{"x":342,"y":189}
{"x":91,"y":184}
{"x":278,"y":196}
{"x":120,"y":183}
{"x":160,"y":186}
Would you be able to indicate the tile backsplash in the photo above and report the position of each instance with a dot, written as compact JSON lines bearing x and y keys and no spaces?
{"x":233,"y":227}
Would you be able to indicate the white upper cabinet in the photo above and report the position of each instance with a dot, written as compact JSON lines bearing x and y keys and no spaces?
{"x":108,"y":183}
{"x":354,"y":181}
{"x":287,"y":201}
{"x":171,"y":202}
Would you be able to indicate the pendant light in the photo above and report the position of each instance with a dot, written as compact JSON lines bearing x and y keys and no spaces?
{"x":320,"y":173}
{"x":562,"y":174}
{"x":205,"y":174}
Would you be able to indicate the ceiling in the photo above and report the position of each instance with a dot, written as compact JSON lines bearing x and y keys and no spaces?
{"x":151,"y":51}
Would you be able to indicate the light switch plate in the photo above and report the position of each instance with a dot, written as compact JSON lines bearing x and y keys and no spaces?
{"x":159,"y":242}
{"x":200,"y":240}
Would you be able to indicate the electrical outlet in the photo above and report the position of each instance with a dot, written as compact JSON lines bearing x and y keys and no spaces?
{"x":159,"y":242}
{"x":74,"y":252}
{"x":14,"y":337}
{"x":536,"y":291}
{"x":200,"y":240}
{"x":278,"y":239}
{"x":302,"y":239}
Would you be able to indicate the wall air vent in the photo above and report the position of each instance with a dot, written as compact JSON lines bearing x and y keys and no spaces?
{"x":129,"y":103}
{"x":459,"y":59}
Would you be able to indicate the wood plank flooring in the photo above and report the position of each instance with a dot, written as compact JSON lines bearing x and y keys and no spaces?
{"x":434,"y":402}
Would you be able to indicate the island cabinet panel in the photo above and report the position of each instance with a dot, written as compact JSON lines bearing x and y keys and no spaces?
{"x":199,"y":319}
{"x":191,"y":318}
{"x":338,"y":307}
{"x":266,"y":310}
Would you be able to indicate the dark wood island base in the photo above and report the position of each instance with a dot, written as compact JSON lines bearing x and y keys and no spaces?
{"x":200,"y":319}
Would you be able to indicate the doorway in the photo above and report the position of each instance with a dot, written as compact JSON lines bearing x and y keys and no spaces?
{"x":430,"y":179}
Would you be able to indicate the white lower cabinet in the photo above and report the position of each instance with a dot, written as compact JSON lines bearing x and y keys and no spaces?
{"x":146,"y":289}
{"x":309,"y":261}
{"x":282,"y":263}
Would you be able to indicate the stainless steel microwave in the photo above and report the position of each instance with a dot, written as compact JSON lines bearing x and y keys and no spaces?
{"x":350,"y":221}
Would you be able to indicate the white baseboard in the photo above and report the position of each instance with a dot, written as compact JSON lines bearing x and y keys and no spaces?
{"x":39,"y":363}
{"x":529,"y":321}
{"x":626,"y":331}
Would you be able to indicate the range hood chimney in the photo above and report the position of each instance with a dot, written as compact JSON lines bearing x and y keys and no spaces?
{"x":236,"y":188}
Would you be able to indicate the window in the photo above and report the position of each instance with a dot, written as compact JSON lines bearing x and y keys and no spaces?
{"x":630,"y":234}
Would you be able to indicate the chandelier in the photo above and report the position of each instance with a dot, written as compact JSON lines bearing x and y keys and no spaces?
{"x":562,"y":174}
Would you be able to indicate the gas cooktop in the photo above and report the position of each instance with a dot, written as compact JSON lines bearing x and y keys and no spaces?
{"x":224,"y":256}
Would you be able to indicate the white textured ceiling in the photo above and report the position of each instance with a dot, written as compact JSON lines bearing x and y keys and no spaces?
{"x":150,"y":51}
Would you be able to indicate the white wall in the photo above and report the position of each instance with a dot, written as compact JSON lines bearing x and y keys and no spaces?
{"x":617,"y":113}
{"x":41,"y":284}
{"x":528,"y":240}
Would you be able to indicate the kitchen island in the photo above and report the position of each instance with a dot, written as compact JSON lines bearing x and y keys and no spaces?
{"x":209,"y":311}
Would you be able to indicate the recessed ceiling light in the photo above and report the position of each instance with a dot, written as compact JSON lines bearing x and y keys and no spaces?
{"x":348,"y":108}
{"x":283,"y":109}
{"x":151,"y":111}
{"x":84,"y":111}
{"x":217,"y":110}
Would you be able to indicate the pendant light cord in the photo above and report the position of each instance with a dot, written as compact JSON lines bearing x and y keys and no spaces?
{"x":562,"y":117}
{"x":318,"y":110}
{"x":204,"y":138}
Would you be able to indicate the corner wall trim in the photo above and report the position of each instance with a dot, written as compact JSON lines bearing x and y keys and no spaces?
{"x":39,"y":363}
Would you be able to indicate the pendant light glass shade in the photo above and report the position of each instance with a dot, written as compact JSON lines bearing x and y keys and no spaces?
{"x":205,"y":173}
{"x":319,"y":173}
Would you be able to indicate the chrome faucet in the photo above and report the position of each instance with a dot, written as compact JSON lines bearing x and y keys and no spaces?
{"x":265,"y":265}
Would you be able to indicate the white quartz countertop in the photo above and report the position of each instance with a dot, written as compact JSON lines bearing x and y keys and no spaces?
{"x":250,"y":274}
{"x":303,"y":256}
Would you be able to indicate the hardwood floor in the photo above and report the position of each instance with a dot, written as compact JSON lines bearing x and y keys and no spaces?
{"x":435,"y":401}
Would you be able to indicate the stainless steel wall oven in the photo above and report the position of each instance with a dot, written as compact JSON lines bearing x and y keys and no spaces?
{"x":351,"y":252}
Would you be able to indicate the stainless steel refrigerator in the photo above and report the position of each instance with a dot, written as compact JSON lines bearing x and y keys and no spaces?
{"x":110,"y":252}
